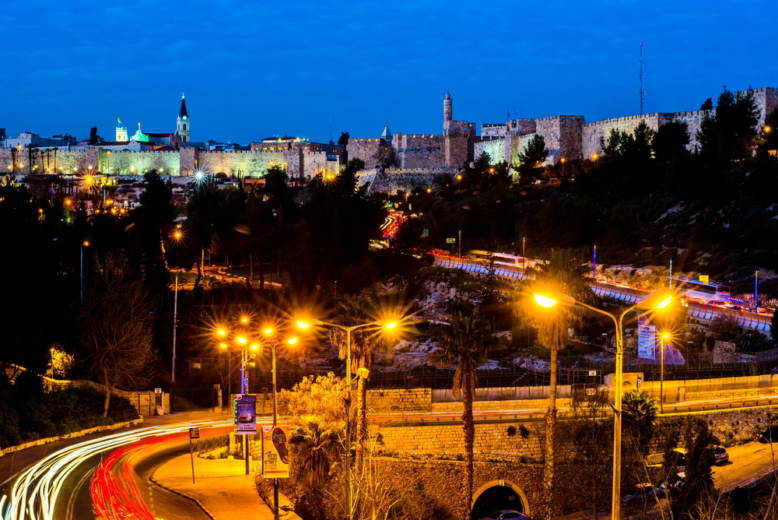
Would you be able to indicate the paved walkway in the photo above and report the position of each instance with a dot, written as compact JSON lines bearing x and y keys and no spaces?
{"x":220,"y":487}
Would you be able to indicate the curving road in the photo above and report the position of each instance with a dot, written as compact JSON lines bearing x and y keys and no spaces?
{"x":58,"y":485}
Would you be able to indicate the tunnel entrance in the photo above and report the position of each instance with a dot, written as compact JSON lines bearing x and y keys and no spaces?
{"x":499,"y":495}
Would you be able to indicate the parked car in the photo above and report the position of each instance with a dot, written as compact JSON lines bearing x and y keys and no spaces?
{"x":643,"y":491}
{"x":720,"y":455}
{"x":506,"y":514}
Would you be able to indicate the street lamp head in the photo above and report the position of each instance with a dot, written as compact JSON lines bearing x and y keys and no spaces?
{"x":293,"y":340}
{"x":303,"y":325}
{"x":86,"y":243}
{"x":767,"y":129}
{"x":223,"y":346}
{"x":666,"y":336}
{"x":221,"y":332}
{"x":244,"y":319}
{"x":178,"y":234}
{"x":255,"y":346}
{"x":390,"y":325}
{"x":268,"y":331}
{"x":241,"y":340}
{"x":664,"y":302}
{"x":544,"y":301}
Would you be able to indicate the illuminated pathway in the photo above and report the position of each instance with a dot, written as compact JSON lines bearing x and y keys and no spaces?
{"x":40,"y":491}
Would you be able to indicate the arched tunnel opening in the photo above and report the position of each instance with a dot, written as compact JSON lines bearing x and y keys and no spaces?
{"x":494,"y":499}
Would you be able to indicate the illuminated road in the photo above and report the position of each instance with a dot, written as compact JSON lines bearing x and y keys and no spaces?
{"x":53,"y":487}
{"x":749,"y":463}
{"x":745,"y":319}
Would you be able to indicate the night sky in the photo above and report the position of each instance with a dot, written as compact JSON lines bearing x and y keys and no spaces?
{"x":252,"y":69}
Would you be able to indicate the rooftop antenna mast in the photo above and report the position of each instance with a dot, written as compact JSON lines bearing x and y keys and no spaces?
{"x":642,"y":92}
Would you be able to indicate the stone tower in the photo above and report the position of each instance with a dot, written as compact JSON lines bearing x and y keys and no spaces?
{"x":121,"y":132}
{"x":447,"y":112}
{"x":182,"y":121}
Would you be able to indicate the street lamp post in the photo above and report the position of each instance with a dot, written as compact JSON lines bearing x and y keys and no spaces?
{"x":662,"y":342}
{"x":618,"y":322}
{"x":84,"y":244}
{"x":348,"y":330}
{"x":175,"y":327}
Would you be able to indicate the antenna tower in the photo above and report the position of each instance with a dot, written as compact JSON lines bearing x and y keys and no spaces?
{"x":642,"y":92}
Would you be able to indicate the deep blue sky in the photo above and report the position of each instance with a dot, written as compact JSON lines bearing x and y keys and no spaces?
{"x":252,"y":68}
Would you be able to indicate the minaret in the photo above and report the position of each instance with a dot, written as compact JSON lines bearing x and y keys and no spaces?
{"x":447,"y":112}
{"x":182,"y":122}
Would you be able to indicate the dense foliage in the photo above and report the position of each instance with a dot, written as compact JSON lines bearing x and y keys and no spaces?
{"x":28,"y":413}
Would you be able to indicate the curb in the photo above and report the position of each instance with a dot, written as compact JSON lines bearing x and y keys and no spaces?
{"x":71,"y":435}
{"x":183,"y":495}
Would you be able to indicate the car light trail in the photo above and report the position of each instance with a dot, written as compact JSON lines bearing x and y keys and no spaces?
{"x":37,"y":490}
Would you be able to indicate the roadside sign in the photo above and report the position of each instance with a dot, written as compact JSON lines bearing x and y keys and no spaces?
{"x":451,"y":240}
{"x":425,"y":233}
{"x":194,"y":433}
{"x":157,"y":390}
{"x":275,"y":452}
{"x":592,"y":373}
{"x":246,"y":415}
{"x":704,"y":278}
{"x":646,"y":340}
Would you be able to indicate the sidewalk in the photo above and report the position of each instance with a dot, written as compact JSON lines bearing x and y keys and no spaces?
{"x":221,"y":487}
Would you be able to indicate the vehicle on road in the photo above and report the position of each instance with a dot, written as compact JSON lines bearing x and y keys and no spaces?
{"x":720,"y":455}
{"x":506,"y":514}
{"x":643,"y":491}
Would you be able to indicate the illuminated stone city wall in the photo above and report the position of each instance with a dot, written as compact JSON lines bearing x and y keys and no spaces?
{"x":370,"y":151}
{"x":494,"y":148}
{"x":241,"y":163}
{"x":594,"y":132}
{"x":418,"y":150}
{"x":125,"y":162}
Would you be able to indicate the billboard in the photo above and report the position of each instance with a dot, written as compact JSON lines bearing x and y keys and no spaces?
{"x":647,"y":344}
{"x":246,"y":415}
{"x":275,"y":452}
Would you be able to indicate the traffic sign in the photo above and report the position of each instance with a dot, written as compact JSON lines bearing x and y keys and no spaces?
{"x":194,"y":433}
{"x":451,"y":240}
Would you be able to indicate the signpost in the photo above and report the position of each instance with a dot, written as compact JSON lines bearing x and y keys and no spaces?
{"x":246,"y":421}
{"x":275,"y":452}
{"x":194,"y":433}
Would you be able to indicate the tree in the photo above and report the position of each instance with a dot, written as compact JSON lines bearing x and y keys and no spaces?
{"x":152,"y":222}
{"x":707,"y":104}
{"x":697,"y":484}
{"x":562,"y":275}
{"x":314,"y":448}
{"x":117,"y":327}
{"x":670,"y":142}
{"x":730,"y":133}
{"x":535,"y":153}
{"x":344,"y":138}
{"x":639,"y":415}
{"x":464,"y":342}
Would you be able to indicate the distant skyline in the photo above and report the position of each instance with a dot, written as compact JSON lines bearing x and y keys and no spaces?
{"x":313,"y":69}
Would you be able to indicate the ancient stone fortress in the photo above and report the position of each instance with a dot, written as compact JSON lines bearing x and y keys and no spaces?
{"x":169,"y":153}
{"x":571,"y":138}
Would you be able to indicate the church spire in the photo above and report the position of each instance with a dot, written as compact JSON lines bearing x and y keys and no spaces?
{"x":182,"y":111}
{"x":182,"y":121}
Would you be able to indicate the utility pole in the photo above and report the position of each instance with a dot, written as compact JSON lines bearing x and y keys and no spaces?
{"x":459,"y":243}
{"x":756,"y":290}
{"x":594,"y":261}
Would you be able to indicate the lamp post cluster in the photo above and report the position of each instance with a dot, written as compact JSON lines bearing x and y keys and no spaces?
{"x":657,"y":302}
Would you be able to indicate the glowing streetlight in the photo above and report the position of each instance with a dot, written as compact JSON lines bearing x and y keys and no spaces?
{"x":659,"y":302}
{"x":255,"y":346}
{"x":221,"y":332}
{"x":544,"y":301}
{"x":767,"y":129}
{"x":178,"y":234}
{"x":241,"y":340}
{"x":268,"y":331}
{"x":293,"y":340}
{"x":223,"y":346}
{"x":244,"y":319}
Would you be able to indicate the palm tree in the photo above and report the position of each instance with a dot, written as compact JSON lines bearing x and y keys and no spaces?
{"x":465,"y":342}
{"x":563,"y":274}
{"x":315,"y":446}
